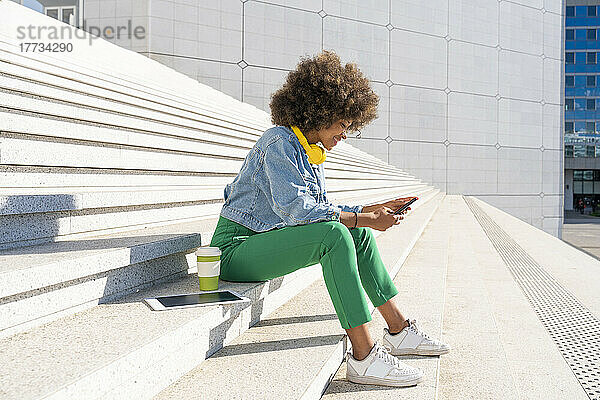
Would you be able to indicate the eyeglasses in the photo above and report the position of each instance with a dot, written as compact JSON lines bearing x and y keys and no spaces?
{"x":352,"y":135}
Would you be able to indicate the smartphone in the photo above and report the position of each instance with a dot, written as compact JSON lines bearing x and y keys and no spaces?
{"x":211,"y":298}
{"x":405,"y":206}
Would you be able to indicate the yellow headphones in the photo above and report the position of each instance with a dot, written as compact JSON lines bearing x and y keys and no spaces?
{"x":316,"y":154}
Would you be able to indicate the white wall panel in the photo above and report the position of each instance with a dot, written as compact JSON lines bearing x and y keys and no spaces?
{"x":551,"y":161}
{"x":375,"y":11}
{"x":472,"y":118}
{"x":552,"y":31}
{"x":422,"y":16}
{"x":521,"y":28}
{"x":376,"y":147}
{"x":530,"y":3}
{"x":418,"y":59}
{"x":426,"y":161}
{"x":365,"y":44}
{"x":552,"y":74}
{"x":260,"y":83}
{"x":552,"y":127}
{"x":276,"y":36}
{"x":519,"y":171}
{"x":519,"y":123}
{"x":417,"y":114}
{"x":310,"y":5}
{"x":221,"y":76}
{"x":379,"y":127}
{"x":472,"y":68}
{"x":554,"y":6}
{"x":475,"y":22}
{"x":220,"y":30}
{"x":472,"y":169}
{"x":521,"y":75}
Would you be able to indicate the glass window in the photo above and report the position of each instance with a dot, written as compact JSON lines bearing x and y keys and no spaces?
{"x":591,"y":80}
{"x":597,"y":175}
{"x":579,"y":150}
{"x":568,"y":126}
{"x":69,"y":13}
{"x":591,"y":105}
{"x":52,"y":12}
{"x":570,"y":34}
{"x":569,"y":104}
{"x":590,"y":152}
{"x":590,"y":127}
{"x":570,"y":11}
{"x":570,"y":58}
{"x":588,"y":187}
{"x":591,"y":11}
{"x":578,"y":187}
{"x":569,"y":151}
{"x":591,"y":34}
{"x":588,"y":175}
{"x":579,"y":126}
{"x":569,"y":81}
{"x":578,"y":175}
{"x":591,"y":58}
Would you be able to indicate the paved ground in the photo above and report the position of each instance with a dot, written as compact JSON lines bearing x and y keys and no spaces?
{"x":583,"y":232}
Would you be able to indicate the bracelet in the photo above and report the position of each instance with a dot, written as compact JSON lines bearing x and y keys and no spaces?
{"x":355,"y":219}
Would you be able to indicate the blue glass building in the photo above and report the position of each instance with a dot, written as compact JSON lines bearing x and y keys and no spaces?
{"x":582,"y":103}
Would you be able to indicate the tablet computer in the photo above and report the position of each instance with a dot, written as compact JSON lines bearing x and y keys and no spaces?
{"x":186,"y":300}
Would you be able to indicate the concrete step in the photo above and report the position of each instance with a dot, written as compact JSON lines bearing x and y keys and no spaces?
{"x":294,"y":352}
{"x":36,"y":200}
{"x":33,"y":228}
{"x":74,"y":72}
{"x":44,"y":282}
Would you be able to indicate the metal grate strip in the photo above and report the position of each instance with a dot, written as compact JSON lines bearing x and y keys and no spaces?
{"x":574,"y":329}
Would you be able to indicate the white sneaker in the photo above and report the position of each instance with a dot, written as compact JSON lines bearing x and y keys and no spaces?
{"x":381,"y":368}
{"x":411,"y":340}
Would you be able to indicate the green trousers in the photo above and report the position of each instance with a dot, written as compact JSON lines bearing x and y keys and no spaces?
{"x":349,"y":258}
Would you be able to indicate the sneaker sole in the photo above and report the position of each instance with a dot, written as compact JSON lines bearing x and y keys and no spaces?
{"x":415,"y":352}
{"x":371,"y":380}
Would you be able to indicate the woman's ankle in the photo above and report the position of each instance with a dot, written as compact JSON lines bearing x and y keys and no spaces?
{"x":397,"y":328}
{"x":361,"y":355}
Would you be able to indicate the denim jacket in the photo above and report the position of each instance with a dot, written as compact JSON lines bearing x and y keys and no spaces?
{"x":277,"y":186}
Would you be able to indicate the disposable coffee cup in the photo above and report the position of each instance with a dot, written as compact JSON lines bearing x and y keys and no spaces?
{"x":208,"y":260}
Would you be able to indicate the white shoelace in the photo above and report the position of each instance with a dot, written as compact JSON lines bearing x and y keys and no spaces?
{"x":413,"y":327}
{"x":382,"y":353}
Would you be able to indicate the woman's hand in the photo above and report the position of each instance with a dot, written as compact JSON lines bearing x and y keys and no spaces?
{"x":392,"y":204}
{"x":383,"y":217}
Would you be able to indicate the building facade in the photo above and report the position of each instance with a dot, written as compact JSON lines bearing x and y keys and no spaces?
{"x":471,"y":92}
{"x":582,"y":104}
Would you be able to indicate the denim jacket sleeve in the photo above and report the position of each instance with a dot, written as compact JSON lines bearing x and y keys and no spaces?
{"x":286,"y":189}
{"x":342,"y":207}
{"x":351,"y":208}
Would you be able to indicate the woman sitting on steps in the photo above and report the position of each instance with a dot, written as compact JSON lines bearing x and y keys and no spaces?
{"x":276,"y":217}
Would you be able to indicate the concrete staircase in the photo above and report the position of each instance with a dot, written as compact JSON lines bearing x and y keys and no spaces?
{"x":112,"y":175}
